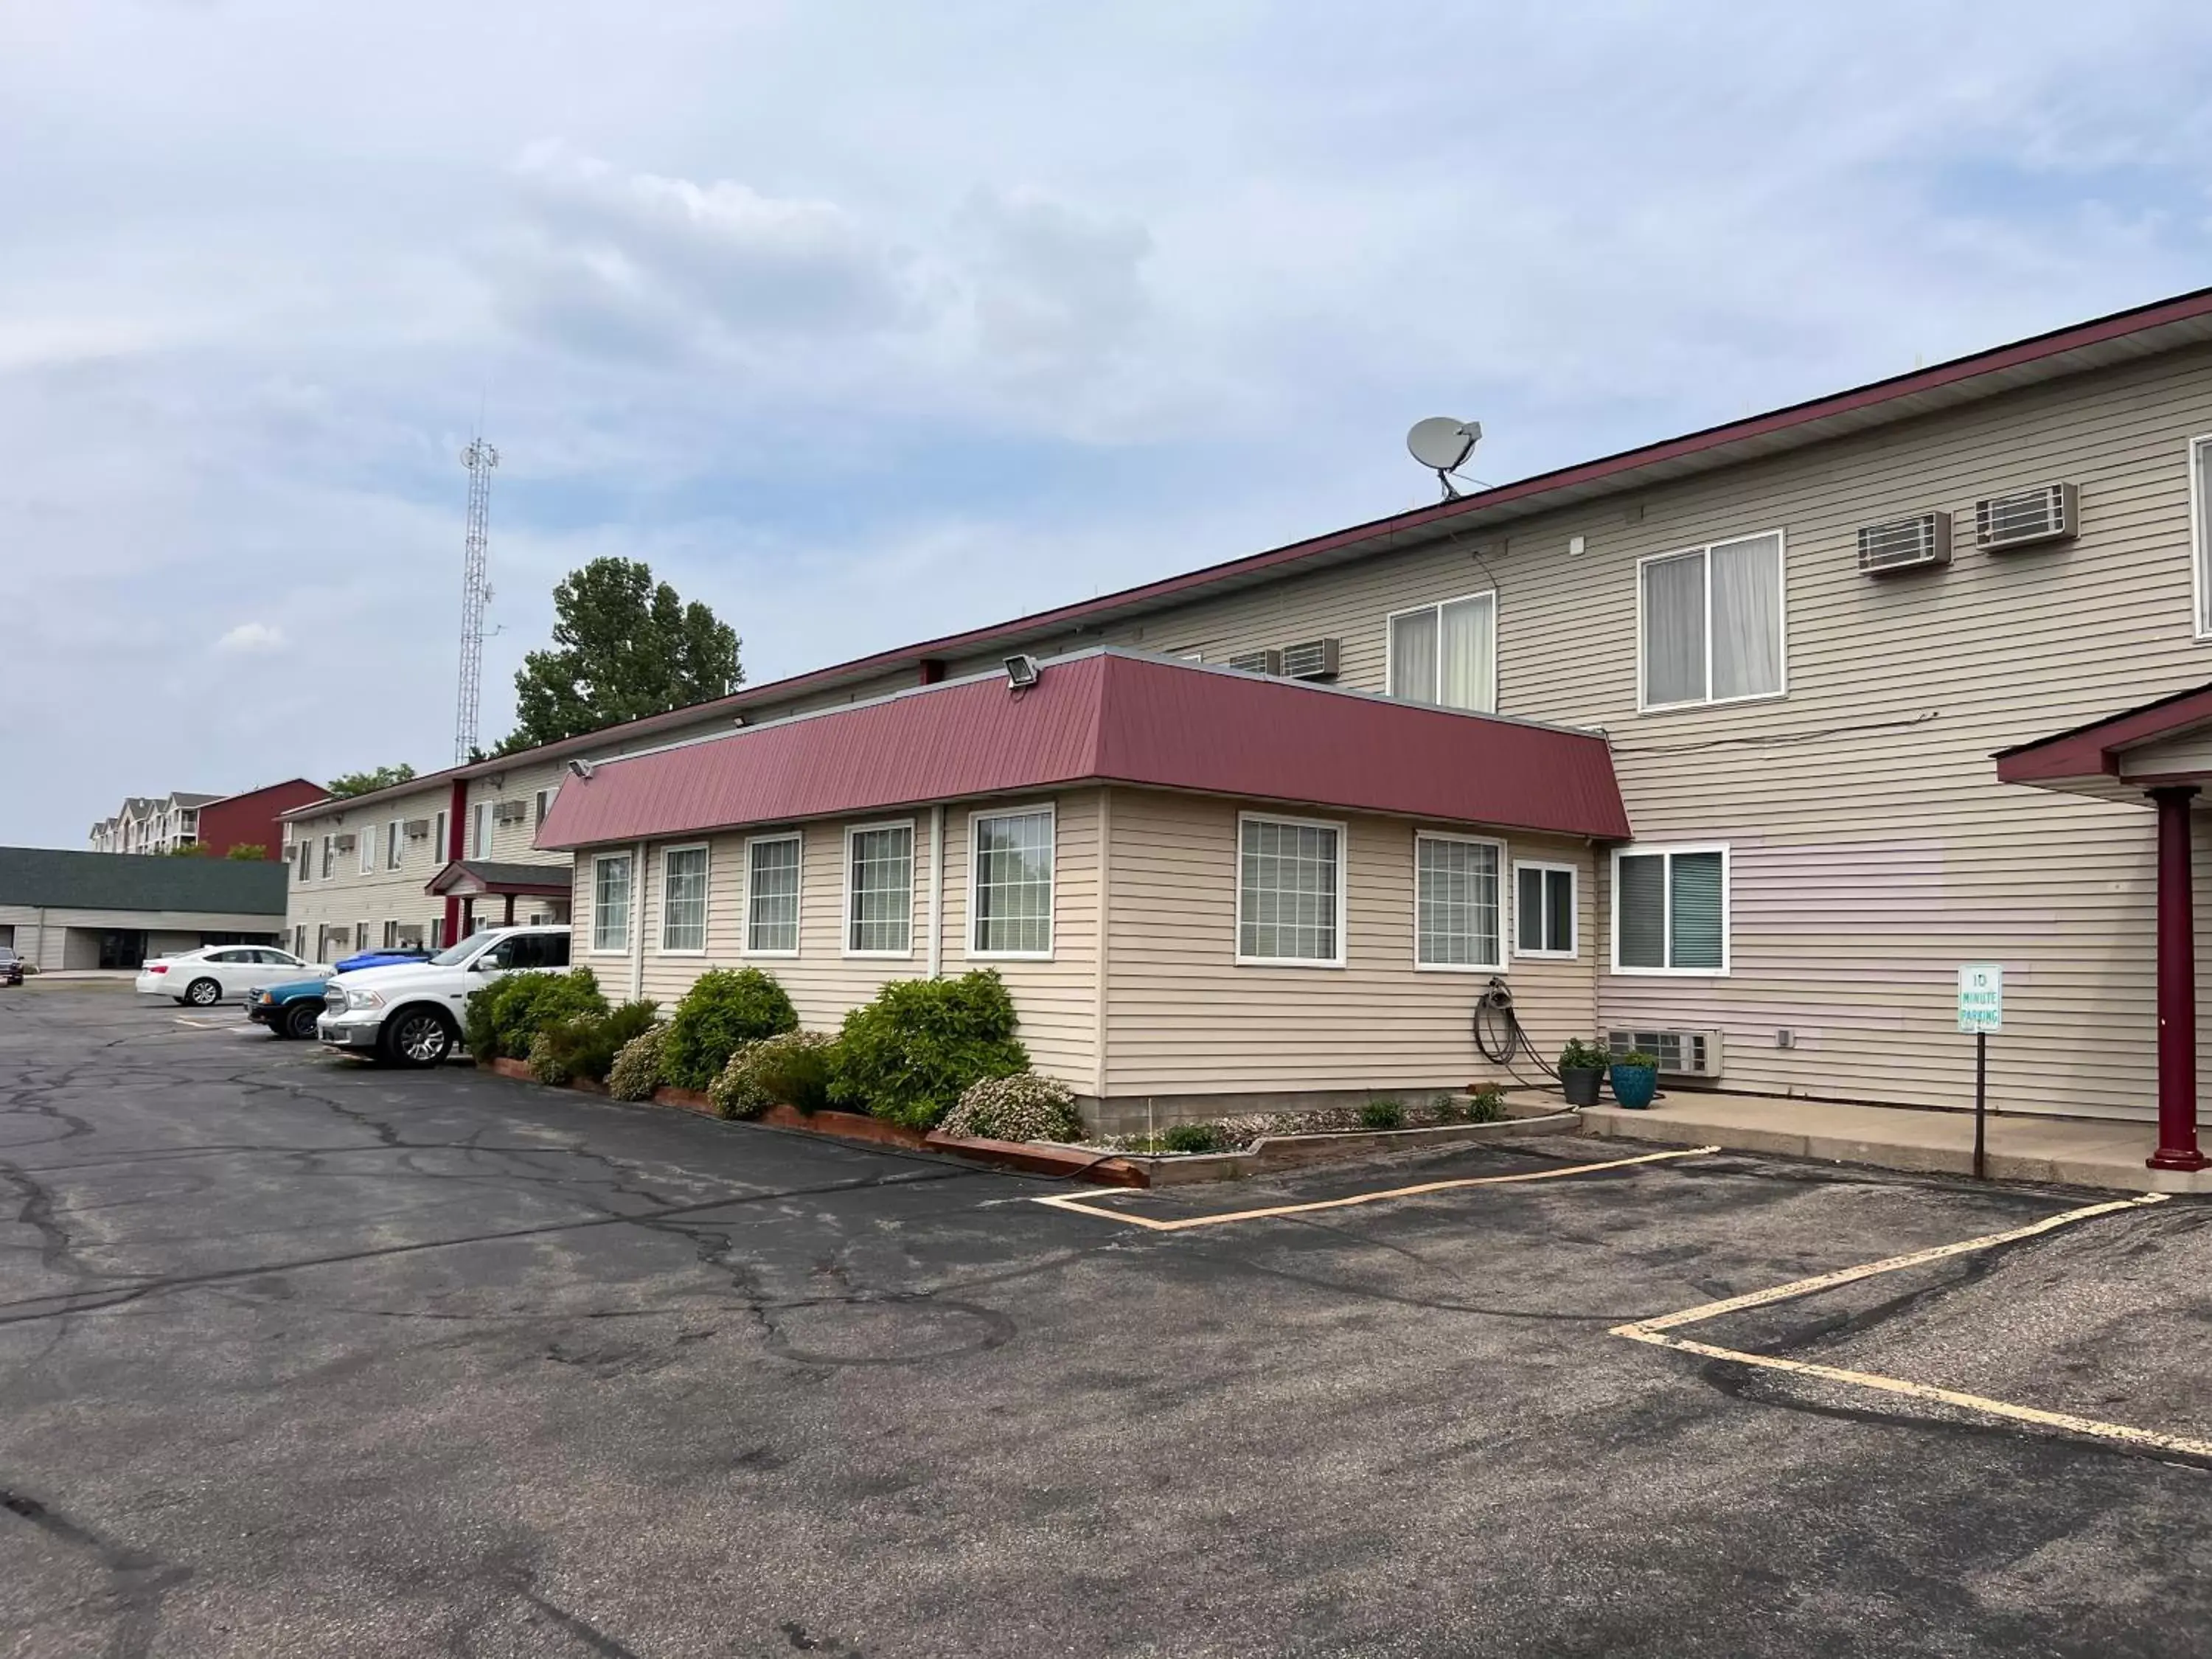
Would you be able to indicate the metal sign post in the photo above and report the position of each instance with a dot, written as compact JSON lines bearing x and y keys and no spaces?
{"x":1981,"y":1011}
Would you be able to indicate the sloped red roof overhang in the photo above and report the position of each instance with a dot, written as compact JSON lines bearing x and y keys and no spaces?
{"x":2086,"y":753}
{"x":1109,"y":716}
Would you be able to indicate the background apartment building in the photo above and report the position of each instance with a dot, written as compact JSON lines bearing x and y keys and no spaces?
{"x":221,"y":824}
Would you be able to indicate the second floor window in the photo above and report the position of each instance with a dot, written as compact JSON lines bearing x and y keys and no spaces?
{"x":1711,"y":620}
{"x":480,"y":830}
{"x":392,"y":832}
{"x":1446,"y":653}
{"x":2200,"y":504}
{"x":330,"y":857}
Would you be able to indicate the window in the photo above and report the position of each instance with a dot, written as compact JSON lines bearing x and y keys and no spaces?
{"x":684,"y":900}
{"x":2200,"y":519}
{"x":300,"y":941}
{"x":1009,"y":885}
{"x":772,"y":896}
{"x":879,"y":889}
{"x":1711,"y":623}
{"x":1290,"y":891}
{"x":1670,"y":911}
{"x":361,"y":936}
{"x":1543,"y":910}
{"x":390,"y":934}
{"x":1446,"y":653}
{"x":480,"y":830}
{"x":394,"y":835}
{"x":543,"y":799}
{"x":368,"y":849}
{"x":1457,"y":888}
{"x":306,"y":850}
{"x":439,"y":853}
{"x":437,"y":932}
{"x":330,"y":857}
{"x":610,"y":902}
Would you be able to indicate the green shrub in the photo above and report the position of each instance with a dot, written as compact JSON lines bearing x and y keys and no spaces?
{"x":724,"y":1009}
{"x":789,"y":1069}
{"x":1487,"y":1105}
{"x":1446,"y":1108}
{"x":584,"y":1045}
{"x":909,"y":1054}
{"x":505,"y":1017}
{"x":1636,"y":1057}
{"x":1195,"y":1137}
{"x":636,"y":1071}
{"x":1022,"y":1107}
{"x":1382,"y":1115}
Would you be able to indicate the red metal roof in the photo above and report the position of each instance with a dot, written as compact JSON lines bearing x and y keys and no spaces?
{"x":2093,"y":751}
{"x":1107,"y":716}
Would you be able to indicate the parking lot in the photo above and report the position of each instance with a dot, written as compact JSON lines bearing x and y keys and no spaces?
{"x":300,"y":1357}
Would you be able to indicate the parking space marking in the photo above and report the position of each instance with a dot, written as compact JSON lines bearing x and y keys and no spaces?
{"x":201,"y":1025}
{"x":1657,"y":1333}
{"x":1079,"y":1202}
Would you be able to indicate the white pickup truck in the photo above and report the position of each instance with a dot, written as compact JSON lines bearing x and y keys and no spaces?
{"x":409,"y":1013}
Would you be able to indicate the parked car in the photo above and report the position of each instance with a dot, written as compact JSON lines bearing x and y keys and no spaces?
{"x":11,"y":967}
{"x":222,"y":973}
{"x":410,"y":1013}
{"x":289,"y":1010}
{"x":383,"y":957}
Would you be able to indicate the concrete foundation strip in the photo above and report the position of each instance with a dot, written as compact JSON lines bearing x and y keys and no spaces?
{"x":1656,"y":1332}
{"x":1079,"y":1203}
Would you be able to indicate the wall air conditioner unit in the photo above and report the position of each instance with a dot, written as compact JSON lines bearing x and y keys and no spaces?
{"x":417,"y":829}
{"x":1905,"y":544}
{"x":510,"y":811}
{"x":1258,"y":662}
{"x":1313,"y":660}
{"x":344,"y":844}
{"x":2049,"y":512}
{"x":1679,"y":1054}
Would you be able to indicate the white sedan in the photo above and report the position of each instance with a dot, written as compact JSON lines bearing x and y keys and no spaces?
{"x":223,"y":972}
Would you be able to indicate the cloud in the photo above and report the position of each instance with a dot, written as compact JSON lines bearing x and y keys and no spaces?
{"x":252,"y":639}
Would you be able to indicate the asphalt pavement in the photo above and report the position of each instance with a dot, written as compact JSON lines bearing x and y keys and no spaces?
{"x":299,"y":1357}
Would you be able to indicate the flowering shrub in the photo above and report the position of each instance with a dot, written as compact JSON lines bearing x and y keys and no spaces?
{"x":789,"y":1069}
{"x":636,"y":1071}
{"x":1022,"y":1107}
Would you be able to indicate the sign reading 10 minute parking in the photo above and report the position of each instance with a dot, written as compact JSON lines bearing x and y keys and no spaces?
{"x":1981,"y":996}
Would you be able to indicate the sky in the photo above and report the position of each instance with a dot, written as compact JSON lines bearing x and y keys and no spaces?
{"x":865,"y":323}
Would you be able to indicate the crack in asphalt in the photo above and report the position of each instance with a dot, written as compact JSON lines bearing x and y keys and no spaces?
{"x":139,"y":1578}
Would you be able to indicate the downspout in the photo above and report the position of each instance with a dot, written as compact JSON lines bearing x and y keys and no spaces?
{"x":937,"y":891}
{"x":637,"y":924}
{"x":1099,"y":1007}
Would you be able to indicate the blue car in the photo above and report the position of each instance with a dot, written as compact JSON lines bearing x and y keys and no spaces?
{"x":289,"y":1010}
{"x":384,"y":958}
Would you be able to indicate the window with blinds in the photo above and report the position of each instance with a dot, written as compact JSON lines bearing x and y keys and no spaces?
{"x":1456,"y":890}
{"x":2200,"y":510}
{"x":1010,"y":896}
{"x":772,"y":896}
{"x":1290,"y":892}
{"x":1670,"y":910}
{"x":611,"y":902}
{"x":1711,"y":623}
{"x":879,"y":890}
{"x":684,"y":900}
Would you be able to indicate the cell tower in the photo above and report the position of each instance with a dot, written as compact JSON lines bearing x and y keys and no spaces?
{"x":480,"y":458}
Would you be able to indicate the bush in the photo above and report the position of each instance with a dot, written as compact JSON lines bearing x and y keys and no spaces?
{"x":910,"y":1055}
{"x":636,"y":1071}
{"x":724,"y":1009}
{"x":1636,"y":1057}
{"x":1580,"y":1056}
{"x":1382,"y":1115}
{"x":1488,"y":1105}
{"x":505,"y":1017}
{"x":1022,"y":1107}
{"x":789,"y":1069}
{"x":1195,"y":1137}
{"x":584,"y":1045}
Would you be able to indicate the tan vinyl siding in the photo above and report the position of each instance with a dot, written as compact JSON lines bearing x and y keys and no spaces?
{"x":1868,"y":862}
{"x":381,"y":895}
{"x":1182,"y":1016}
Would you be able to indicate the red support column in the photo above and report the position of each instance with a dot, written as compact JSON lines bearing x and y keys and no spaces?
{"x":2177,"y":986}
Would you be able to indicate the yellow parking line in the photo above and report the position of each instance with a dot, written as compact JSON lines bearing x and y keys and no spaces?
{"x":1656,"y":1333}
{"x":1078,"y":1201}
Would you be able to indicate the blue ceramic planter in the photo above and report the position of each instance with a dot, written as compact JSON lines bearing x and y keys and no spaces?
{"x":1634,"y":1085}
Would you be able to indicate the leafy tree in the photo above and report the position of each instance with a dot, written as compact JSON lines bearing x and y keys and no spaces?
{"x":247,"y":852}
{"x":362,"y":783}
{"x":624,"y":647}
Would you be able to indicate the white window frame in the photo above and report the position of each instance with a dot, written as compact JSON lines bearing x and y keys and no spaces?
{"x":707,"y":916}
{"x":1389,"y":651}
{"x":2200,"y":533}
{"x":329,"y":865}
{"x":1343,"y":872}
{"x":395,"y":844}
{"x":798,"y":838}
{"x":1574,"y":875}
{"x":368,"y":849}
{"x":1781,"y":622}
{"x":845,"y":929}
{"x":439,"y":855}
{"x":541,"y":804}
{"x":1504,"y":904}
{"x":1667,"y":906}
{"x":480,"y":830}
{"x":976,"y":819}
{"x":629,"y":915}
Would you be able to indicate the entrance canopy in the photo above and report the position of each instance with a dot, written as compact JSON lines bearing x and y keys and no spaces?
{"x":2123,"y":757}
{"x":475,"y":877}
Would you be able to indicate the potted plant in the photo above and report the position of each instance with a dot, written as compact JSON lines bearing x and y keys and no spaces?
{"x":1582,"y":1068}
{"x":1635,"y":1079}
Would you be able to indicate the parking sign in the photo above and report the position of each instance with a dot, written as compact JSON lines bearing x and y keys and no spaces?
{"x":1981,"y":996}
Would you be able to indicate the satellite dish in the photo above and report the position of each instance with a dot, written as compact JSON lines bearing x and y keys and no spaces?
{"x":1440,"y":443}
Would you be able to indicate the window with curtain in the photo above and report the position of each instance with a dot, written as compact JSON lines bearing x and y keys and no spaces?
{"x":879,"y":890}
{"x":1543,"y":910}
{"x":1290,"y":883}
{"x":1010,"y":892}
{"x":480,"y":830}
{"x":684,"y":899}
{"x":2200,"y":480}
{"x":368,"y":855}
{"x":1670,"y":911}
{"x":772,"y":897}
{"x":394,"y":838}
{"x":1447,"y":654}
{"x":1455,"y":903}
{"x":611,"y":902}
{"x":1712,"y":622}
